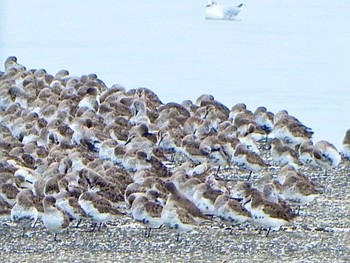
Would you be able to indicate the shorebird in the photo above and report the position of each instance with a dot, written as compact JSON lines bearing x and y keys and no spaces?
{"x":204,"y":197}
{"x":326,"y":155}
{"x":290,"y":129}
{"x":230,"y":210}
{"x":140,"y":113}
{"x":24,"y":212}
{"x":212,"y":148}
{"x":221,"y":12}
{"x":169,"y":141}
{"x":179,"y":212}
{"x":8,"y":192}
{"x":264,"y":119}
{"x":98,"y":208}
{"x":239,"y":108}
{"x":190,"y":149}
{"x":54,"y":218}
{"x":346,"y":145}
{"x":305,"y":153}
{"x":266,"y":214}
{"x":179,"y":218}
{"x":147,"y":212}
{"x":299,"y":189}
{"x":282,"y":154}
{"x":248,"y":160}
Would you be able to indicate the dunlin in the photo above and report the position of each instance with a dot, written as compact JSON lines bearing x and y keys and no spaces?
{"x":289,"y":129}
{"x":248,"y":160}
{"x":140,"y":113}
{"x":346,"y":145}
{"x":54,"y":218}
{"x":24,"y":212}
{"x":204,"y":198}
{"x":178,"y":218}
{"x":212,"y":148}
{"x":147,"y":212}
{"x":282,"y":154}
{"x":190,"y":148}
{"x":264,"y":119}
{"x":8,"y":192}
{"x":300,"y":190}
{"x":326,"y":155}
{"x":239,"y":108}
{"x":178,"y":199}
{"x":98,"y":208}
{"x":230,"y":210}
{"x":266,"y":214}
{"x":305,"y":150}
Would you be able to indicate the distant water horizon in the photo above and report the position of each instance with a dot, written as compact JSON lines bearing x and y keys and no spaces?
{"x":290,"y":55}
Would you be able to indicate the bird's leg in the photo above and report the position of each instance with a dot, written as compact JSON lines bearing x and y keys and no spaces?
{"x":231,"y":231}
{"x":148,"y":232}
{"x":23,"y":232}
{"x":268,"y":232}
{"x":36,"y":220}
{"x":78,"y":223}
{"x":217,"y":171}
{"x":93,"y":228}
{"x":250,"y":175}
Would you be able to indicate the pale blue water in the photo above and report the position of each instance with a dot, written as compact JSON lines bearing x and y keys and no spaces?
{"x":290,"y":55}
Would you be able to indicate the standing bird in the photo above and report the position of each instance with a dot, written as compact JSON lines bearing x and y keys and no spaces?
{"x":179,"y":212}
{"x":24,"y":212}
{"x":147,"y":212}
{"x":54,"y":218}
{"x":229,"y":209}
{"x":267,"y":214}
{"x":98,"y":208}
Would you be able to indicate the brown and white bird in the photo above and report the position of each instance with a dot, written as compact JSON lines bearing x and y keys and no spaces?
{"x":326,"y":155}
{"x":24,"y":212}
{"x":147,"y":212}
{"x":98,"y":208}
{"x":346,"y":145}
{"x":54,"y":218}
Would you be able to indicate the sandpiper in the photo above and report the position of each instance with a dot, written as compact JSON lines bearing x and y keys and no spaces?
{"x":305,"y":153}
{"x":230,"y":210}
{"x":264,"y":119}
{"x":98,"y":208}
{"x":346,"y":145}
{"x":282,"y":154}
{"x":266,"y":214}
{"x":24,"y":212}
{"x":54,"y":218}
{"x":289,"y":129}
{"x":147,"y":212}
{"x":248,"y":160}
{"x":326,"y":155}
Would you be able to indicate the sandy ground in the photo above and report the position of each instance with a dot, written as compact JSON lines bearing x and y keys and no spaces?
{"x":319,"y":234}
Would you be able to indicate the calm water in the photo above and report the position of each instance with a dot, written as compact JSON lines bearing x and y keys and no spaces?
{"x":290,"y":55}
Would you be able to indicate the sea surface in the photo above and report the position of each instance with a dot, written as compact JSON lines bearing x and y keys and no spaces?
{"x":292,"y":55}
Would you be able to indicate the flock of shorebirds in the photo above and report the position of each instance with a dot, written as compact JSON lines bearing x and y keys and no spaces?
{"x":73,"y":149}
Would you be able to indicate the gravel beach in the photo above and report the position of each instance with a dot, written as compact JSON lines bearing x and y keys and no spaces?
{"x":319,"y":234}
{"x":65,"y":139}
